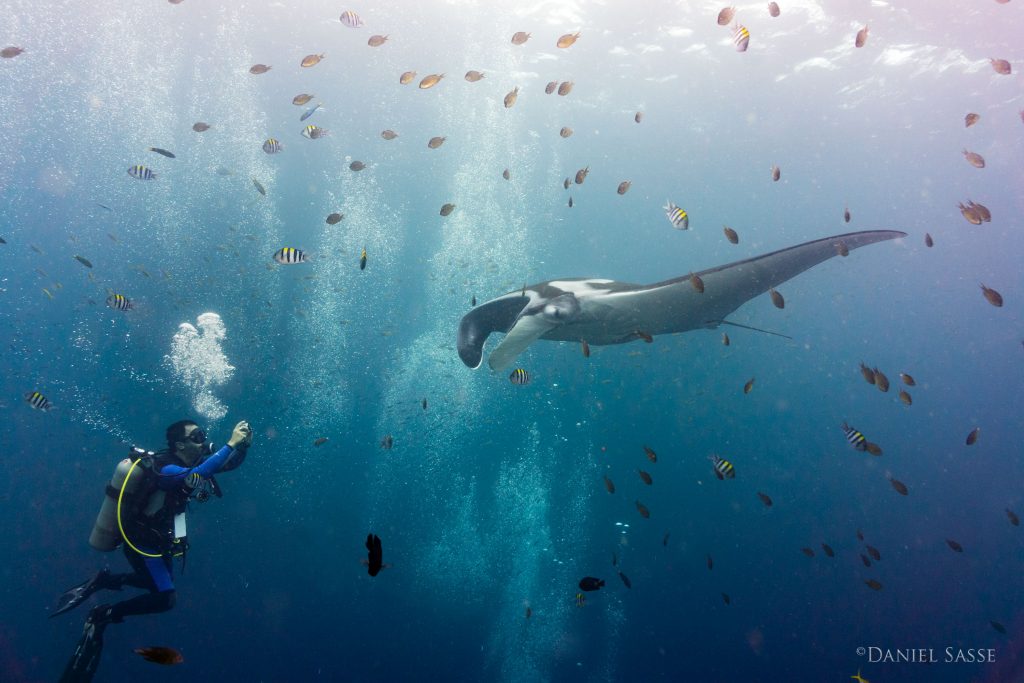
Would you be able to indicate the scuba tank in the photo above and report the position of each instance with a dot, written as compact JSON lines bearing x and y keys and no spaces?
{"x":106,"y":534}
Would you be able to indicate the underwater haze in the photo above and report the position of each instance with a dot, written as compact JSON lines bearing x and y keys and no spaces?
{"x":494,"y":501}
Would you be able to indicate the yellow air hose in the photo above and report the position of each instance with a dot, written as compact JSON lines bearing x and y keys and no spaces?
{"x":119,"y":525}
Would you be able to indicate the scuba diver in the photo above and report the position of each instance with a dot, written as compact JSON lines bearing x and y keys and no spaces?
{"x":144,"y":506}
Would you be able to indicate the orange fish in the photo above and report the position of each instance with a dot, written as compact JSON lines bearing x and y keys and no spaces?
{"x":907,"y":379}
{"x":624,"y":187}
{"x":971,"y":119}
{"x":697,"y":283}
{"x":869,"y":375}
{"x":430,"y":81}
{"x":609,"y":485}
{"x":992,"y":296}
{"x":881,"y":381}
{"x":1001,"y":66}
{"x":776,"y":173}
{"x":765,"y":498}
{"x":972,"y":438}
{"x":726,"y":15}
{"x":565,"y":88}
{"x":645,"y":336}
{"x":776,"y":298}
{"x":586,"y":348}
{"x":873,"y":552}
{"x":651,"y":455}
{"x":645,"y":477}
{"x":642,"y":509}
{"x":900,"y":487}
{"x":730,"y":234}
{"x":862,"y":37}
{"x":873,"y":585}
{"x":828,"y":550}
{"x":568,"y":40}
{"x":406,"y":77}
{"x":748,"y":386}
{"x":311,"y":60}
{"x":905,"y":397}
{"x":520,"y":37}
{"x":974,"y":159}
{"x":872,"y":448}
{"x":511,"y":97}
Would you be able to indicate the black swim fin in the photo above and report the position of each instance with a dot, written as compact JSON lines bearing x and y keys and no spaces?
{"x":86,"y":659}
{"x":73,"y":597}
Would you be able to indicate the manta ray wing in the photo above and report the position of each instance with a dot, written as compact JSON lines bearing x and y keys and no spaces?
{"x":613,"y":312}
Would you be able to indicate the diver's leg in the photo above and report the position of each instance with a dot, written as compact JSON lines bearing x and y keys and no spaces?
{"x":153,"y":574}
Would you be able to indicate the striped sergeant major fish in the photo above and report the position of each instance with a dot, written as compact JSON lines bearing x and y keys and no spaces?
{"x":119,"y":302}
{"x":140,"y":172}
{"x":723,"y":468}
{"x":519,"y":376}
{"x":313,"y":132}
{"x":272,"y":146}
{"x":679,"y":219}
{"x":38,"y":401}
{"x":741,"y":37}
{"x":855,"y":438}
{"x":290,"y":255}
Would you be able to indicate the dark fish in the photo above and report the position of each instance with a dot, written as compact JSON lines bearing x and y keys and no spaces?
{"x":430,"y":81}
{"x":357,"y":166}
{"x":375,"y":558}
{"x":725,"y":339}
{"x":581,"y":175}
{"x":505,"y":174}
{"x":257,"y":69}
{"x":645,"y":477}
{"x":624,"y":187}
{"x":730,"y":234}
{"x":873,"y":552}
{"x":956,"y":547}
{"x":334,"y":218}
{"x":776,"y":173}
{"x":310,"y":60}
{"x":710,"y":562}
{"x":905,"y":398}
{"x":864,"y":559}
{"x":520,"y":37}
{"x":362,"y":266}
{"x":765,"y":498}
{"x":11,"y":52}
{"x":846,"y":214}
{"x":387,"y":442}
{"x":565,"y":88}
{"x":881,"y":381}
{"x":1012,"y":516}
{"x":828,"y":550}
{"x":625,"y":580}
{"x":862,"y":37}
{"x":615,"y":559}
{"x":981,"y":210}
{"x":725,"y":16}
{"x":609,"y":485}
{"x":749,"y":385}
{"x":550,"y":87}
{"x":638,"y":117}
{"x":873,"y":585}
{"x":589,"y":583}
{"x":971,"y":119}
{"x":773,"y":9}
{"x":873,"y":448}
{"x":860,"y":535}
{"x":259,"y":187}
{"x":447,"y":209}
{"x":664,"y":540}
{"x":84,"y":261}
{"x":928,"y":241}
{"x":511,"y":97}
{"x":163,"y":152}
{"x":907,"y":379}
{"x":166,"y":656}
{"x":200,"y":127}
{"x":807,"y":551}
{"x":473,"y":302}
{"x":388,"y":134}
{"x":642,"y":509}
{"x":726,"y":599}
{"x":998,"y":627}
{"x":842,"y":249}
{"x":645,"y":336}
{"x":436,"y":141}
{"x":377,"y":41}
{"x":321,"y":441}
{"x":424,"y":404}
{"x":697,"y":282}
{"x":651,"y":455}
{"x":972,"y":438}
{"x":1001,"y":66}
{"x":406,"y":77}
{"x":992,"y":296}
{"x":586,"y":348}
{"x":528,"y":611}
{"x":570,"y":201}
{"x":867,"y":373}
{"x":3,"y":241}
{"x":566,"y":183}
{"x":900,"y":487}
{"x":301,"y":99}
{"x":474,"y":76}
{"x":103,"y":206}
{"x":777,"y":299}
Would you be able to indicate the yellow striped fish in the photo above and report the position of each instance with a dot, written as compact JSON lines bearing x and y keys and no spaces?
{"x":741,"y":37}
{"x":723,"y":468}
{"x":140,"y":172}
{"x":119,"y":302}
{"x":272,"y":146}
{"x":679,"y":219}
{"x":519,"y":376}
{"x":290,"y":256}
{"x":855,"y":438}
{"x":313,"y":132}
{"x":38,"y":401}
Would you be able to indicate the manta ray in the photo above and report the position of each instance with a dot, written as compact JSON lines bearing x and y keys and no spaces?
{"x":600,"y":311}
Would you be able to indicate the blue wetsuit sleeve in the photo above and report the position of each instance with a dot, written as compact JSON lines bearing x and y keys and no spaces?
{"x":173,"y":475}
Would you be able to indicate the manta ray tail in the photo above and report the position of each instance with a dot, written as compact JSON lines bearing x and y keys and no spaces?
{"x":748,"y":327}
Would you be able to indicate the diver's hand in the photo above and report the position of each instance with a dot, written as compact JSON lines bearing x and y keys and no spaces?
{"x":241,"y":434}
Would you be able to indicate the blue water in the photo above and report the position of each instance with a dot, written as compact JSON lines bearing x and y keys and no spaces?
{"x":492,"y":499}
